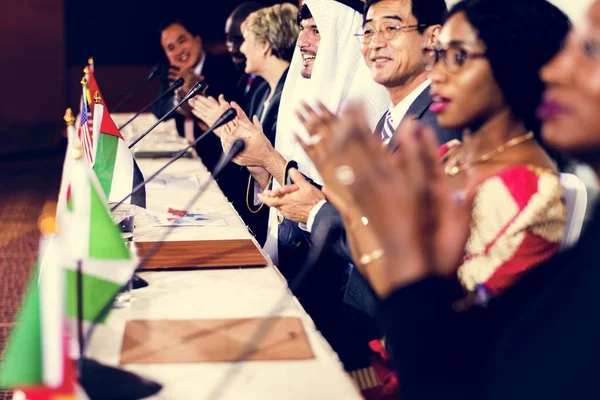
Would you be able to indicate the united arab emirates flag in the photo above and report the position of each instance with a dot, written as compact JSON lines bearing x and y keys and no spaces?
{"x":114,"y":164}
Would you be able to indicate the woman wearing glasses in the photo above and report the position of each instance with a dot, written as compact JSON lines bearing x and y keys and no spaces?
{"x":484,"y":73}
{"x":539,"y":340}
{"x":485,"y":82}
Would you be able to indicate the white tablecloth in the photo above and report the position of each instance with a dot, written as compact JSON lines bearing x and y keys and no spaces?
{"x":227,"y":293}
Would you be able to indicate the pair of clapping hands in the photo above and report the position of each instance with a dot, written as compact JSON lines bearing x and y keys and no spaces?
{"x":209,"y":109}
{"x":420,"y":224}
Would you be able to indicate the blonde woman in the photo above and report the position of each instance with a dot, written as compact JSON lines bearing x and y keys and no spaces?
{"x":270,"y":36}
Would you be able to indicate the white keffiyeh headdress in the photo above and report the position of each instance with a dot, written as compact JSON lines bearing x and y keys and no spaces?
{"x":339,"y":74}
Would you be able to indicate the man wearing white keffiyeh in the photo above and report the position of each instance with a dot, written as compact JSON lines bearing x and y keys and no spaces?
{"x":337,"y":74}
{"x":327,"y":65}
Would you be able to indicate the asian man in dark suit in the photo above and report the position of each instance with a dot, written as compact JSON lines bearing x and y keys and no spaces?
{"x":393,"y":36}
{"x":188,"y":59}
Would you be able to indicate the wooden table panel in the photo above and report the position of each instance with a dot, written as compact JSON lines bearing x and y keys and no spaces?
{"x":214,"y":340}
{"x":203,"y":254}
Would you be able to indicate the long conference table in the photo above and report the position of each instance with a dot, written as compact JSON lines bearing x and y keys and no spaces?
{"x":175,"y":296}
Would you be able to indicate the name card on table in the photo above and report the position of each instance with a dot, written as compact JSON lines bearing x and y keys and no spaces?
{"x":203,"y":254}
{"x":214,"y":340}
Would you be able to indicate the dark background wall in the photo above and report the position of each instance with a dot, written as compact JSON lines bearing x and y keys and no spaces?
{"x":32,"y":73}
{"x":45,"y":44}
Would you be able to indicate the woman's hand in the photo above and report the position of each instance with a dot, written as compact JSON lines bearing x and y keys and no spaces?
{"x":420,"y":225}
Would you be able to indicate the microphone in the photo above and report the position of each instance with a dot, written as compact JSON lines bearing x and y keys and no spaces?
{"x":236,"y":149}
{"x":319,"y":240}
{"x":154,"y":72}
{"x":176,"y":85}
{"x":136,"y":87}
{"x":93,"y":375}
{"x":199,"y":87}
{"x":227,"y":116}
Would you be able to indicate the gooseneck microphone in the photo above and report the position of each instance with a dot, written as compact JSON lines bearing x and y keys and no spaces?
{"x":199,"y":87}
{"x":176,"y":85}
{"x":138,"y":86}
{"x":237,"y":147}
{"x":227,"y":116}
{"x":94,"y":375}
{"x":319,"y":239}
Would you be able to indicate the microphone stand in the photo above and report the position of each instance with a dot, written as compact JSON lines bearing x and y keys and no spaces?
{"x":320,"y":238}
{"x":197,"y":88}
{"x":223,"y":119}
{"x":137,"y":87}
{"x":94,"y":376}
{"x":176,"y":85}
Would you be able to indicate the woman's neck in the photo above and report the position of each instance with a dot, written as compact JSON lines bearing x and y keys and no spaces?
{"x":271,"y":73}
{"x":490,"y":135}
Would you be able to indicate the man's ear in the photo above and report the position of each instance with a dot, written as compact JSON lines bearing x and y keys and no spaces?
{"x":200,"y":43}
{"x":431,"y":35}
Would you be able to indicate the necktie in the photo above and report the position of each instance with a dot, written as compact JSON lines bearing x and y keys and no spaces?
{"x":249,"y":83}
{"x":388,"y":128}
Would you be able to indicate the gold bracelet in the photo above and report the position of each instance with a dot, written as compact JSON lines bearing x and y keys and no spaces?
{"x":362,"y":221}
{"x":375,"y":255}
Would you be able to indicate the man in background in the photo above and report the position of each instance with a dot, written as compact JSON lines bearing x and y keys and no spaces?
{"x":187,"y":59}
{"x":248,"y":85}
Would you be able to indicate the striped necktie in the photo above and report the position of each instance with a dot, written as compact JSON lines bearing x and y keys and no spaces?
{"x":388,"y":128}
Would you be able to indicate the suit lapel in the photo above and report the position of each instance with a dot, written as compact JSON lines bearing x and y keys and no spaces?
{"x":379,"y":127}
{"x":420,"y":105}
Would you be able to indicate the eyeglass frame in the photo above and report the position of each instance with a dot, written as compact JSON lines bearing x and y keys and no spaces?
{"x":440,"y":54}
{"x":400,"y":28}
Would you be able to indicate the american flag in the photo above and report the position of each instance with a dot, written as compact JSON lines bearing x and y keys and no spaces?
{"x":85,"y":132}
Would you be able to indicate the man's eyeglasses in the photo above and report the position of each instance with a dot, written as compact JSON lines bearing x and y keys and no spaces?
{"x":388,"y":31}
{"x":454,"y":58}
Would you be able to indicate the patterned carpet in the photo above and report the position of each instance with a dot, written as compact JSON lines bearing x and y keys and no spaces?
{"x":26,"y":183}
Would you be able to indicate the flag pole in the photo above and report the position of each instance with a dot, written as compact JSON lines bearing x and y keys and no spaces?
{"x":98,"y":380}
{"x":76,"y":153}
{"x":80,"y":308}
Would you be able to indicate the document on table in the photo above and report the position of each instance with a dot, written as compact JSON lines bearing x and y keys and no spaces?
{"x":176,"y":217}
{"x":166,"y":181}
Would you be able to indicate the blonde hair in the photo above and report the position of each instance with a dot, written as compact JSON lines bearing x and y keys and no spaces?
{"x":276,"y":26}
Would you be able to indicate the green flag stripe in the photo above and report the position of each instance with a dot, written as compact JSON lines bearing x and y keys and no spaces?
{"x":105,"y":237}
{"x":96,"y":293}
{"x":104,"y":164}
{"x":22,"y":365}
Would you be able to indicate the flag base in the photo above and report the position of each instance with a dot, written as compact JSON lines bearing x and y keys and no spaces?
{"x":110,"y":383}
{"x":138,"y":282}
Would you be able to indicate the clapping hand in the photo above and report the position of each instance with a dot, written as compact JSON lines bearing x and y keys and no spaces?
{"x":258,"y":147}
{"x":293,"y":201}
{"x":420,"y":224}
{"x":207,"y":109}
{"x":320,"y":125}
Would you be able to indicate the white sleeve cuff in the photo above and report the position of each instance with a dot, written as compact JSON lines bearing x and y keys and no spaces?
{"x":311,"y":216}
{"x":257,"y":191}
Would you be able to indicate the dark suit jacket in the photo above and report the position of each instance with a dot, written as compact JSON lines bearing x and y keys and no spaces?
{"x":221,"y":76}
{"x":237,"y":194}
{"x":358,"y":292}
{"x":539,"y":340}
{"x":244,"y":98}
